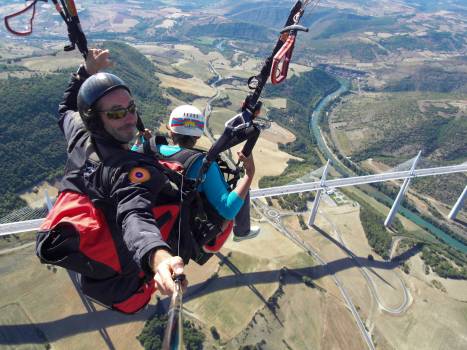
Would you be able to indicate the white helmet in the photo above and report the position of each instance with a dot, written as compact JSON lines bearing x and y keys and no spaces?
{"x":187,"y":120}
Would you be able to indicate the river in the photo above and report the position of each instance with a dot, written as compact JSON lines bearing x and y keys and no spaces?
{"x":315,"y":129}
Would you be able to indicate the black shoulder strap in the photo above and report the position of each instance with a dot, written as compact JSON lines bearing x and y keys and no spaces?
{"x":161,"y":140}
{"x":185,"y":157}
{"x":147,"y":148}
{"x":151,"y":146}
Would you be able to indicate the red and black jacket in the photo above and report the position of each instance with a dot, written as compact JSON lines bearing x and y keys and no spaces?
{"x":114,"y":209}
{"x":103,"y":224}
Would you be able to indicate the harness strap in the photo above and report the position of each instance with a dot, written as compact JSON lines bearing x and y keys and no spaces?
{"x":15,"y":14}
{"x":75,"y":32}
{"x":69,"y":15}
{"x":185,"y":158}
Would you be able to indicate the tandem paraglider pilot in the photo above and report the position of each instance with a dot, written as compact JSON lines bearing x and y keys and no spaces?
{"x":109,"y":223}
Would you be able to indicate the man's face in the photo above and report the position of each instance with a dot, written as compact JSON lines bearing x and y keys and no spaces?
{"x":124,"y":129}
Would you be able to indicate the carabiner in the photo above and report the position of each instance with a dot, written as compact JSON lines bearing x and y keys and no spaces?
{"x":280,"y":63}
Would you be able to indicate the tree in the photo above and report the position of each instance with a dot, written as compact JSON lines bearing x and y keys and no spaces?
{"x":152,"y":334}
{"x":214,"y":333}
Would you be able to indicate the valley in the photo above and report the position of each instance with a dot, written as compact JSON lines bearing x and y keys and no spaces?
{"x":290,"y":287}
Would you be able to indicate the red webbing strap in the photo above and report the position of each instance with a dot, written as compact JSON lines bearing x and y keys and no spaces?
{"x":28,"y":32}
{"x":70,"y":4}
{"x":220,"y":239}
{"x":59,"y":10}
{"x":280,"y":64}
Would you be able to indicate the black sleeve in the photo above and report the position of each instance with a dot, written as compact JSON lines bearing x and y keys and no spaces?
{"x":135,"y":198}
{"x":69,"y":121}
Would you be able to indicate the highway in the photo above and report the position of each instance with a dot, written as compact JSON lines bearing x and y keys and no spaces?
{"x":274,"y":218}
{"x":20,"y":226}
{"x":367,"y":276}
{"x":356,"y":180}
{"x":207,"y":114}
{"x":208,"y":108}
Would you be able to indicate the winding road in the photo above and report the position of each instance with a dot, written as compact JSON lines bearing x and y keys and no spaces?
{"x":371,"y":284}
{"x":273,"y":216}
{"x":207,"y":115}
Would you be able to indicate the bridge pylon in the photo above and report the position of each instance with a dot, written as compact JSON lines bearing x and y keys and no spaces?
{"x":401,"y":194}
{"x":458,"y":206}
{"x":314,"y":210}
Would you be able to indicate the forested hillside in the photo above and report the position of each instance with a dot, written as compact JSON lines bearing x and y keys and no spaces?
{"x":32,"y":148}
{"x":31,"y":145}
{"x":393,"y":127}
{"x":434,"y":79}
{"x":441,"y":133}
{"x":235,"y":30}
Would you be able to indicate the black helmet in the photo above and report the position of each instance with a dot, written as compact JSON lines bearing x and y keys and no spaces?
{"x":95,"y":87}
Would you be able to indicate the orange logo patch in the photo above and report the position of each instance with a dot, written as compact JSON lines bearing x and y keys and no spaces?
{"x":139,"y":175}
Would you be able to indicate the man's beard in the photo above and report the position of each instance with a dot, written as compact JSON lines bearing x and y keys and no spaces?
{"x":125,"y":133}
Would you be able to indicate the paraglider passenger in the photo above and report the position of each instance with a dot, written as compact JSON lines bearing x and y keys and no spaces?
{"x":185,"y":127}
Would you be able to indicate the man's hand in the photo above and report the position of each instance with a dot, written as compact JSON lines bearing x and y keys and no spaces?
{"x":165,"y":267}
{"x":97,"y":60}
{"x":147,"y":134}
{"x":248,"y":164}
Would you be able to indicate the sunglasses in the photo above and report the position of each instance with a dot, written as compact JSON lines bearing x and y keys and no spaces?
{"x":120,"y":113}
